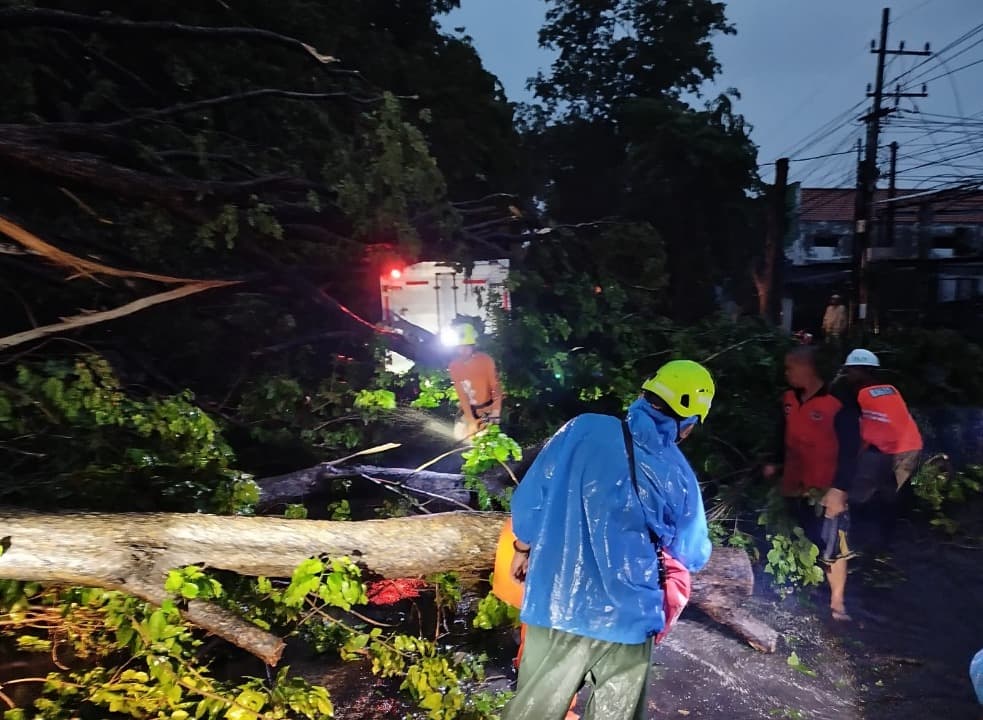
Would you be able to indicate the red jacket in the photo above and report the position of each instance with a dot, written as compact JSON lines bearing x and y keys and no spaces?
{"x":820,"y":442}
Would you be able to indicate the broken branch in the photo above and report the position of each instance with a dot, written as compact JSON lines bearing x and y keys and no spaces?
{"x":16,"y":18}
{"x":77,"y":321}
{"x":73,"y":262}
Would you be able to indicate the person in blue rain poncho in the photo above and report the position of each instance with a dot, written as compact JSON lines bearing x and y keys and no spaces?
{"x":587,"y":547}
{"x":976,"y":675}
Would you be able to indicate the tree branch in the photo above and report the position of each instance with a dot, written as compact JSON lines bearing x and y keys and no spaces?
{"x":240,"y":97}
{"x":311,"y":339}
{"x":18,"y":18}
{"x":79,"y":265}
{"x":78,"y":321}
{"x":19,"y":146}
{"x":485,"y":199}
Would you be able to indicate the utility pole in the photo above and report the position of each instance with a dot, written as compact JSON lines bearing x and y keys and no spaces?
{"x":892,"y":192}
{"x":778,"y":249}
{"x":868,"y":173}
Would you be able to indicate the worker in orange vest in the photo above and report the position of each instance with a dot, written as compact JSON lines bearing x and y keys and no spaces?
{"x":891,"y":442}
{"x":475,"y":379}
{"x":818,"y":444}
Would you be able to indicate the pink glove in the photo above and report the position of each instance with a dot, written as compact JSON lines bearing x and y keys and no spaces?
{"x":676,"y":595}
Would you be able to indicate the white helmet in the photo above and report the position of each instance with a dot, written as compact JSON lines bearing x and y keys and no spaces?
{"x":861,"y":358}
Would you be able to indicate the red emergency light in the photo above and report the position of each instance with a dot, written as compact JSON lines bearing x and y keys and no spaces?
{"x":395,"y":274}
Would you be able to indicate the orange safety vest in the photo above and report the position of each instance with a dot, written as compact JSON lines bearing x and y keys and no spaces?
{"x":885,"y":422}
{"x":811,"y":447}
{"x":476,"y":383}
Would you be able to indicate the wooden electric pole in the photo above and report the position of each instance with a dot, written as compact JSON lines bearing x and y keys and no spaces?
{"x":868,"y":173}
{"x":778,"y":249}
{"x":768,"y":275}
{"x":892,"y":192}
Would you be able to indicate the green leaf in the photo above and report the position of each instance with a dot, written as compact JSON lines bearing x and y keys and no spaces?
{"x":432,"y":701}
{"x":174,"y":582}
{"x":189,"y":590}
{"x":156,"y":624}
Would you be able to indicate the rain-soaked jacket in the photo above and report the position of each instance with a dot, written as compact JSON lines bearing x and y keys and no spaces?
{"x":593,"y":570}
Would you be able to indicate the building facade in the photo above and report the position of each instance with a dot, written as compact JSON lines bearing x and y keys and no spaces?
{"x":925,"y":259}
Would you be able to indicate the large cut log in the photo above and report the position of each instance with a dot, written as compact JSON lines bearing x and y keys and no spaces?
{"x":133,"y":552}
{"x":719,"y":590}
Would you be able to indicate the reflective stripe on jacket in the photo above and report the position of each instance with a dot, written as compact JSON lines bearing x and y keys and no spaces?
{"x":885,"y":422}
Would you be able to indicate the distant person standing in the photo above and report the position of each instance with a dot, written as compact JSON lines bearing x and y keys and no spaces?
{"x":891,"y":442}
{"x":475,"y":378}
{"x":835,"y":321}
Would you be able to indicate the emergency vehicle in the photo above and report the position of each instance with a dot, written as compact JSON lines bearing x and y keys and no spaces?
{"x":431,"y":295}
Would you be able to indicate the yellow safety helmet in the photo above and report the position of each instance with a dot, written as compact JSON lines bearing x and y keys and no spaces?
{"x":466,"y":334}
{"x":685,"y":386}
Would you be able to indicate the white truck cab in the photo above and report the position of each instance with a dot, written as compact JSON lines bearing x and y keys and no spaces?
{"x":431,"y":295}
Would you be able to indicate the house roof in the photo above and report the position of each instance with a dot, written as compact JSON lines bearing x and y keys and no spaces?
{"x":837,"y":205}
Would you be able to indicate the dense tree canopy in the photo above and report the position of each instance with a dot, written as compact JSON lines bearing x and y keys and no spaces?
{"x":615,"y":136}
{"x":292,"y":147}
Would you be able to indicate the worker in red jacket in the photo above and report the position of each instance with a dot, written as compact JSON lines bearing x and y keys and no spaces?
{"x":891,"y":441}
{"x":818,"y":443}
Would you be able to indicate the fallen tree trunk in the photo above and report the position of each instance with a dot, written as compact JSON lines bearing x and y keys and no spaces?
{"x":719,"y":590}
{"x":133,"y":552}
{"x":294,"y":486}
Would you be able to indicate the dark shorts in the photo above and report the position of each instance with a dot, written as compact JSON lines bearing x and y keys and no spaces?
{"x":882,"y":475}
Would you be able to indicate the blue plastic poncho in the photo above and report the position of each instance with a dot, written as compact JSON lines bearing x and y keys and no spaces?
{"x":976,"y":675}
{"x":593,"y":570}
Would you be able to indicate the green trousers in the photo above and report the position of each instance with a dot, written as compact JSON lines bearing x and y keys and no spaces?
{"x":556,"y":664}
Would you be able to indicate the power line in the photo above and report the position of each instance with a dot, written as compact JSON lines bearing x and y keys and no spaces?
{"x":912,"y":11}
{"x":958,"y":69}
{"x":943,"y":161}
{"x":941,"y":53}
{"x":824,"y":131}
{"x":942,"y":61}
{"x":814,"y":157}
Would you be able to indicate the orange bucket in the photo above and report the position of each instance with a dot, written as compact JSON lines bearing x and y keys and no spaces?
{"x":505,"y":587}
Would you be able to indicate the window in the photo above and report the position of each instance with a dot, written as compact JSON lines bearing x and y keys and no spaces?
{"x":826,"y":240}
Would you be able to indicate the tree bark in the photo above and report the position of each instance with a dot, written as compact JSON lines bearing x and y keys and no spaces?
{"x":133,"y":552}
{"x":718,"y":591}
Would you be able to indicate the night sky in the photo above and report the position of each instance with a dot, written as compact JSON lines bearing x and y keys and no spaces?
{"x":800,"y":64}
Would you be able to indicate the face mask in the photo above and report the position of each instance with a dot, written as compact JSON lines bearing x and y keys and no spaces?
{"x":685,"y":423}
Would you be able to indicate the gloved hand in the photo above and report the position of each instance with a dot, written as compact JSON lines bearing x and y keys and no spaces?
{"x":677,"y":591}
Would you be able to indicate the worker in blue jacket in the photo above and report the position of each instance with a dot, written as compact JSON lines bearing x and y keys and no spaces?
{"x":589,"y":533}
